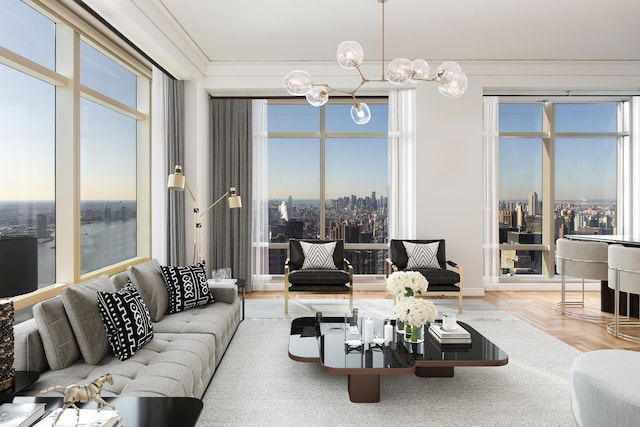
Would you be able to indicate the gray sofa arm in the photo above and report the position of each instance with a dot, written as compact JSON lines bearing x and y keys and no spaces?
{"x":224,"y":293}
{"x":28,"y":349}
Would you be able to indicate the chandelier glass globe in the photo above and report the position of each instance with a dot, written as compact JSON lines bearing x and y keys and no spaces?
{"x":318,"y":96}
{"x":399,"y":71}
{"x":360,"y":113}
{"x":419,"y":70}
{"x":350,"y":55}
{"x":297,"y":82}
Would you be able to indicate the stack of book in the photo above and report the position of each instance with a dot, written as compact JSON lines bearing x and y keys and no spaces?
{"x":456,"y":336}
{"x":86,"y":418}
{"x":20,"y":414}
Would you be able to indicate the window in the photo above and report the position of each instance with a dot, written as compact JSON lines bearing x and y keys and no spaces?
{"x":108,"y":164}
{"x":558,"y":169}
{"x":328,"y":179}
{"x":71,"y":165}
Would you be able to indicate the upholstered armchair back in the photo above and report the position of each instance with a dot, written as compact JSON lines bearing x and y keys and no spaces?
{"x":296,"y":255}
{"x":399,"y":253}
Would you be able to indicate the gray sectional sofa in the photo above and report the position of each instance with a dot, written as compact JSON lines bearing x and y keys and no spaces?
{"x":67,"y":343}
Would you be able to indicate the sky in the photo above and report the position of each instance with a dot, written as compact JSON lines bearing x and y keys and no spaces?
{"x":585,"y":167}
{"x":28,"y":122}
{"x":355,"y":165}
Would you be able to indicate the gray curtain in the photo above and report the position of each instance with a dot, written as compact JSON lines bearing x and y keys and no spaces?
{"x":174,"y":119}
{"x":231,"y":151}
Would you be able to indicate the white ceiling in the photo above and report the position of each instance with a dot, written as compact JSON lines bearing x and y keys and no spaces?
{"x":277,"y":31}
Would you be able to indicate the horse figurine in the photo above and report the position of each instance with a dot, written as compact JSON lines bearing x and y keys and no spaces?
{"x":82,"y":393}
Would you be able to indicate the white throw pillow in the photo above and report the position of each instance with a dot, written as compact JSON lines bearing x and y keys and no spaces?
{"x":318,"y":255}
{"x":422,"y":255}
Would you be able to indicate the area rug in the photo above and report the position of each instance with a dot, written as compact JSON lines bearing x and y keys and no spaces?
{"x":256,"y":383}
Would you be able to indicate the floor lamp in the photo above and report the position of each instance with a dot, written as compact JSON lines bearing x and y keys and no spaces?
{"x":177,"y":181}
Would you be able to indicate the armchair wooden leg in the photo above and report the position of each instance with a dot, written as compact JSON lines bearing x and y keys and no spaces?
{"x":460,"y":303}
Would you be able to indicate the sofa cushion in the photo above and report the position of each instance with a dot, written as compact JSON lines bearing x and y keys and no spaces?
{"x":422,"y":255}
{"x":126,"y":319}
{"x":187,"y":287}
{"x":57,"y":336}
{"x":149,"y":281}
{"x":171,"y":364}
{"x":81,"y":304}
{"x":318,"y":255}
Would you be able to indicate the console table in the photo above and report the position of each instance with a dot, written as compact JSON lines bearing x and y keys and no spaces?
{"x":607,"y":295}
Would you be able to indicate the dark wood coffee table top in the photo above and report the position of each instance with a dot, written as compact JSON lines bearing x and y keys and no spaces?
{"x":139,"y":411}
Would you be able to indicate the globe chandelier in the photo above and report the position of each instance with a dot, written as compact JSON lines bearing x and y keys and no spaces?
{"x":449,"y":76}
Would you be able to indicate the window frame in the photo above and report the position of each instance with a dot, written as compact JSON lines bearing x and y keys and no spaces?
{"x":70,"y":27}
{"x":548,"y":137}
{"x":322,"y":135}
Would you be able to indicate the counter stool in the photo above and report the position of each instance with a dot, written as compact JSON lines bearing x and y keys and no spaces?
{"x":624,"y":276}
{"x":585,"y":260}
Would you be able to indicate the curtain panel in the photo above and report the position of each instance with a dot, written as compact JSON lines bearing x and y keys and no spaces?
{"x":174,"y":134}
{"x":231,"y":164}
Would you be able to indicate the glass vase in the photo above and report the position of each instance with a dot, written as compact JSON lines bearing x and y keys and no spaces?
{"x":400,"y":326}
{"x":414,"y":334}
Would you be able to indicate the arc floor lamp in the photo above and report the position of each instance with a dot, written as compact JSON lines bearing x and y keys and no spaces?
{"x":177,"y":181}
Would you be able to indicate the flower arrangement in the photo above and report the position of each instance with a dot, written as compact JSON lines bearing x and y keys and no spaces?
{"x":406,"y":283}
{"x":415,"y":311}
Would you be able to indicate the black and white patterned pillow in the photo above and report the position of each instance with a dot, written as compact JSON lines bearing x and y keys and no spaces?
{"x":187,"y":287}
{"x":127,"y":320}
{"x":422,"y":255}
{"x":318,"y":255}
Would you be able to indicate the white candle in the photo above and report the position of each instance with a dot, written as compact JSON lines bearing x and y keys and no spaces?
{"x":388,"y":332}
{"x":368,"y":330}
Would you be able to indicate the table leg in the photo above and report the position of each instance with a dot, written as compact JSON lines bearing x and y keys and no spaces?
{"x":243,"y":303}
{"x":364,"y":388}
{"x":434,"y":371}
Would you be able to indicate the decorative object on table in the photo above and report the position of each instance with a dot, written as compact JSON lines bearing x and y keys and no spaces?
{"x":6,"y":345}
{"x":449,"y":322}
{"x":19,"y":266}
{"x":177,"y":181}
{"x":20,"y":414}
{"x":405,"y":284}
{"x":452,"y":81}
{"x":416,"y":313}
{"x":86,"y":418}
{"x":457,"y":335}
{"x":75,"y":393}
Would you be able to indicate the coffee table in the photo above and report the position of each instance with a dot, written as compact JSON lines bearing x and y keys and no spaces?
{"x":138,"y":411}
{"x":310,"y":341}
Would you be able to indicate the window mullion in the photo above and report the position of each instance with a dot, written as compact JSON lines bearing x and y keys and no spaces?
{"x":322,"y":172}
{"x":548,"y":189}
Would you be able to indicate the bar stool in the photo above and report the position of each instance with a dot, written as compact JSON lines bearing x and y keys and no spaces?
{"x":585,"y":260}
{"x":624,"y":276}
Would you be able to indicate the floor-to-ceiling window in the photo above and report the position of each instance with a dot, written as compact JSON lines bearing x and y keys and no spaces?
{"x":328,"y":179}
{"x":72,"y":130}
{"x":559,"y":167}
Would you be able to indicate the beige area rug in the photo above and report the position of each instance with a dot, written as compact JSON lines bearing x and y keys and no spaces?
{"x":257,"y":384}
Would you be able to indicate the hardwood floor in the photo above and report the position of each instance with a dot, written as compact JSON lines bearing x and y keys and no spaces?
{"x":536,"y":308}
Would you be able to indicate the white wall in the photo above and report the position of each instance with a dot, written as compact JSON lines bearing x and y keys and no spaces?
{"x":449,"y":134}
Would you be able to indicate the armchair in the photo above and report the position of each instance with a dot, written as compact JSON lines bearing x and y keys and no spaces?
{"x":317,"y":266}
{"x":429,"y":258}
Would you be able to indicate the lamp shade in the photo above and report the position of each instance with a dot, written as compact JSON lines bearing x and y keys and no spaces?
{"x":234,"y":201}
{"x":18,"y":265}
{"x":176,"y":180}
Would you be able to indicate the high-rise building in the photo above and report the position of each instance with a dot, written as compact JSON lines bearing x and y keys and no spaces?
{"x":533,"y":204}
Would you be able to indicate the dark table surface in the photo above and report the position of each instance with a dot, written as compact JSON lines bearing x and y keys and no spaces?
{"x":139,"y":411}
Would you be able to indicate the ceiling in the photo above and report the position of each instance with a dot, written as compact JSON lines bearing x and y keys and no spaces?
{"x":301,"y":31}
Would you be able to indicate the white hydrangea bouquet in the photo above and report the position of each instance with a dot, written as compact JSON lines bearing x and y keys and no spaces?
{"x":406,"y":284}
{"x":415,"y":311}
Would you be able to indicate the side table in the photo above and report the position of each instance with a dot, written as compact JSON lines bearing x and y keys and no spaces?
{"x":241,"y":283}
